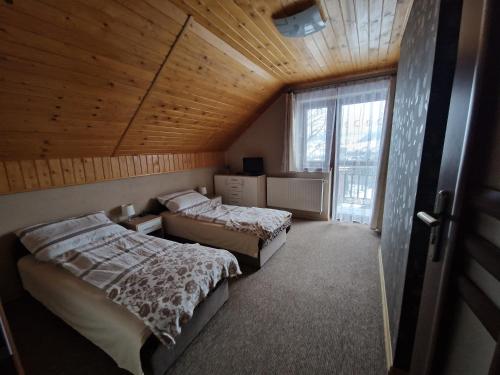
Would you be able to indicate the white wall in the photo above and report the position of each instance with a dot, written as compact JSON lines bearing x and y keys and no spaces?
{"x":265,"y":138}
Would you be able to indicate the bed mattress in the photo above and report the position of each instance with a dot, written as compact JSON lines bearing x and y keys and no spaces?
{"x":85,"y":308}
{"x":212,"y":234}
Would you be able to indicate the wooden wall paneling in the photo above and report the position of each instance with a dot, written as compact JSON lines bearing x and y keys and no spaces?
{"x":130,"y":166}
{"x":106,"y":167}
{"x":115,"y":167}
{"x":43,"y":173}
{"x":78,"y":170}
{"x":122,"y":161}
{"x":67,"y":168}
{"x":14,"y":175}
{"x":88,"y":167}
{"x":29,"y":174}
{"x":4,"y":181}
{"x":98,"y":169}
{"x":137,"y":165}
{"x":56,"y":172}
{"x":144,"y":165}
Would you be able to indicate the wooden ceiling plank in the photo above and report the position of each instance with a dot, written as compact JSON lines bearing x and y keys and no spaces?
{"x":208,"y":67}
{"x":361,"y":9}
{"x":246,"y":24}
{"x":219,"y":28}
{"x":375,"y":29}
{"x":222,"y":46}
{"x":92,"y":43}
{"x":335,"y":20}
{"x":167,"y":55}
{"x":153,"y":33}
{"x":166,"y":8}
{"x":388,"y":14}
{"x":141,"y":15}
{"x":348,"y":13}
{"x":76,"y":16}
{"x":212,"y":88}
{"x":50,"y":47}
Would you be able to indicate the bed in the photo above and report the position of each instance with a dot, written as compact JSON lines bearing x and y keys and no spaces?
{"x":117,"y":322}
{"x":252,"y":234}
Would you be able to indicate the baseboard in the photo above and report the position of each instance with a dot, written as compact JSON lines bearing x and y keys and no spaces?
{"x":385,"y":313}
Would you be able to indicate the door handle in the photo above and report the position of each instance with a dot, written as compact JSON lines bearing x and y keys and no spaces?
{"x":428,"y":219}
{"x":434,"y":221}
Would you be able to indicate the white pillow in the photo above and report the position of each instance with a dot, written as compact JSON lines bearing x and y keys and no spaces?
{"x":49,"y":240}
{"x":163,"y":199}
{"x":182,"y":200}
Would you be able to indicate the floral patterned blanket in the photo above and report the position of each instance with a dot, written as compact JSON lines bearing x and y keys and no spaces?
{"x":265,"y":223}
{"x":159,"y":281}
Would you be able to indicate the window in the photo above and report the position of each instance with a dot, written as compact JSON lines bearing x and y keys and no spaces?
{"x":359,"y":136}
{"x":316,"y":136}
{"x":343,"y":123}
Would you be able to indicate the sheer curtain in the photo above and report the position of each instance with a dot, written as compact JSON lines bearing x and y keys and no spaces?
{"x":309,"y":130}
{"x":347,"y":127}
{"x":360,"y":121}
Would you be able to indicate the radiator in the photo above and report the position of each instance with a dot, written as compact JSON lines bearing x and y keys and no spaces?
{"x":304,"y":194}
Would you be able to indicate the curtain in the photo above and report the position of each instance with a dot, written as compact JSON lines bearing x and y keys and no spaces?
{"x":379,"y":198}
{"x":360,"y":128}
{"x":345,"y":127}
{"x":309,"y":130}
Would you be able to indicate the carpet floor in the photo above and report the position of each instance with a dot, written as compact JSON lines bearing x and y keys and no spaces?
{"x":314,"y":308}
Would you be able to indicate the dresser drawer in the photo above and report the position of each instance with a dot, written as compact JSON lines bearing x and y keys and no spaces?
{"x":234,"y":181}
{"x":149,"y":226}
{"x":234,"y":187}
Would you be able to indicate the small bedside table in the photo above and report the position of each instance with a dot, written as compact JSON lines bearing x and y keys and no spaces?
{"x":145,"y":224}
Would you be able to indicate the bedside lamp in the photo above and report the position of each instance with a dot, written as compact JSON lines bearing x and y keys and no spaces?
{"x":128,"y":210}
{"x":203,"y":190}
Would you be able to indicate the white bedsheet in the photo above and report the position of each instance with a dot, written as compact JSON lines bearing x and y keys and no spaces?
{"x":87,"y":309}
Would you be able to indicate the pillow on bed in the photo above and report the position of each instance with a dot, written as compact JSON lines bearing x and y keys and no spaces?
{"x":49,"y":240}
{"x":181,"y":200}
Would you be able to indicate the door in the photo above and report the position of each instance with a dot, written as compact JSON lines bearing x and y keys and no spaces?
{"x":474,"y":85}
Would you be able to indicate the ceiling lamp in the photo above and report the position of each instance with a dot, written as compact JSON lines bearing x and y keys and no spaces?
{"x":301,"y":24}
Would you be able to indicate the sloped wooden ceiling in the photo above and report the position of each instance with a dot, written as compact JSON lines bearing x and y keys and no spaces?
{"x":123,"y":77}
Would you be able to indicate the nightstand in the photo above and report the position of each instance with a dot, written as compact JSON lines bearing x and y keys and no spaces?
{"x":145,"y":224}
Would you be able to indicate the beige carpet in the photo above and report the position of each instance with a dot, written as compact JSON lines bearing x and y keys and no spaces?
{"x":314,"y":308}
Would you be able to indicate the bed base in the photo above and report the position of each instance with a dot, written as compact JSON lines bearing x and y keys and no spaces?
{"x":265,"y":252}
{"x":156,"y":358}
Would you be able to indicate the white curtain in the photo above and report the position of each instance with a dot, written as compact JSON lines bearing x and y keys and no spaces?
{"x":345,"y":126}
{"x":359,"y":132}
{"x":309,"y":130}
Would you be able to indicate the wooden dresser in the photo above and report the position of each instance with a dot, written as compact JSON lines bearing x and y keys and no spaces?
{"x":241,"y":190}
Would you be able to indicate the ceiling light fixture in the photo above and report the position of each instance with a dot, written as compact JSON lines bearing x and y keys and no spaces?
{"x":301,"y":24}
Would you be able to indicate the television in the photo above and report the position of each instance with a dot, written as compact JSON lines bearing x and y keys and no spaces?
{"x":253,"y":166}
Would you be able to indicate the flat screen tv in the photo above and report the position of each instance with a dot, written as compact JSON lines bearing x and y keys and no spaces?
{"x":253,"y":166}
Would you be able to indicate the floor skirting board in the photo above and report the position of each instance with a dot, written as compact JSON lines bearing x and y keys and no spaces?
{"x":385,"y":312}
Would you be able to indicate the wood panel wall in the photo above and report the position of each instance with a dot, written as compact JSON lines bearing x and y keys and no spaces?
{"x":28,"y":175}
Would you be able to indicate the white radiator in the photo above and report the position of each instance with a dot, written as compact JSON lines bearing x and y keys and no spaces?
{"x":305,"y":194}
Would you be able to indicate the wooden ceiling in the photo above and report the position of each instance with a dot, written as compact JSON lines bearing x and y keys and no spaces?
{"x":124,"y":77}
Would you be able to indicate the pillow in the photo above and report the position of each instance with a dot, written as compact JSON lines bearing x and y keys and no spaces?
{"x":49,"y":240}
{"x":182,"y":200}
{"x":163,"y":199}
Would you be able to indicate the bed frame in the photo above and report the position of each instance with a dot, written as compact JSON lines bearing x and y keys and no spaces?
{"x":156,"y":358}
